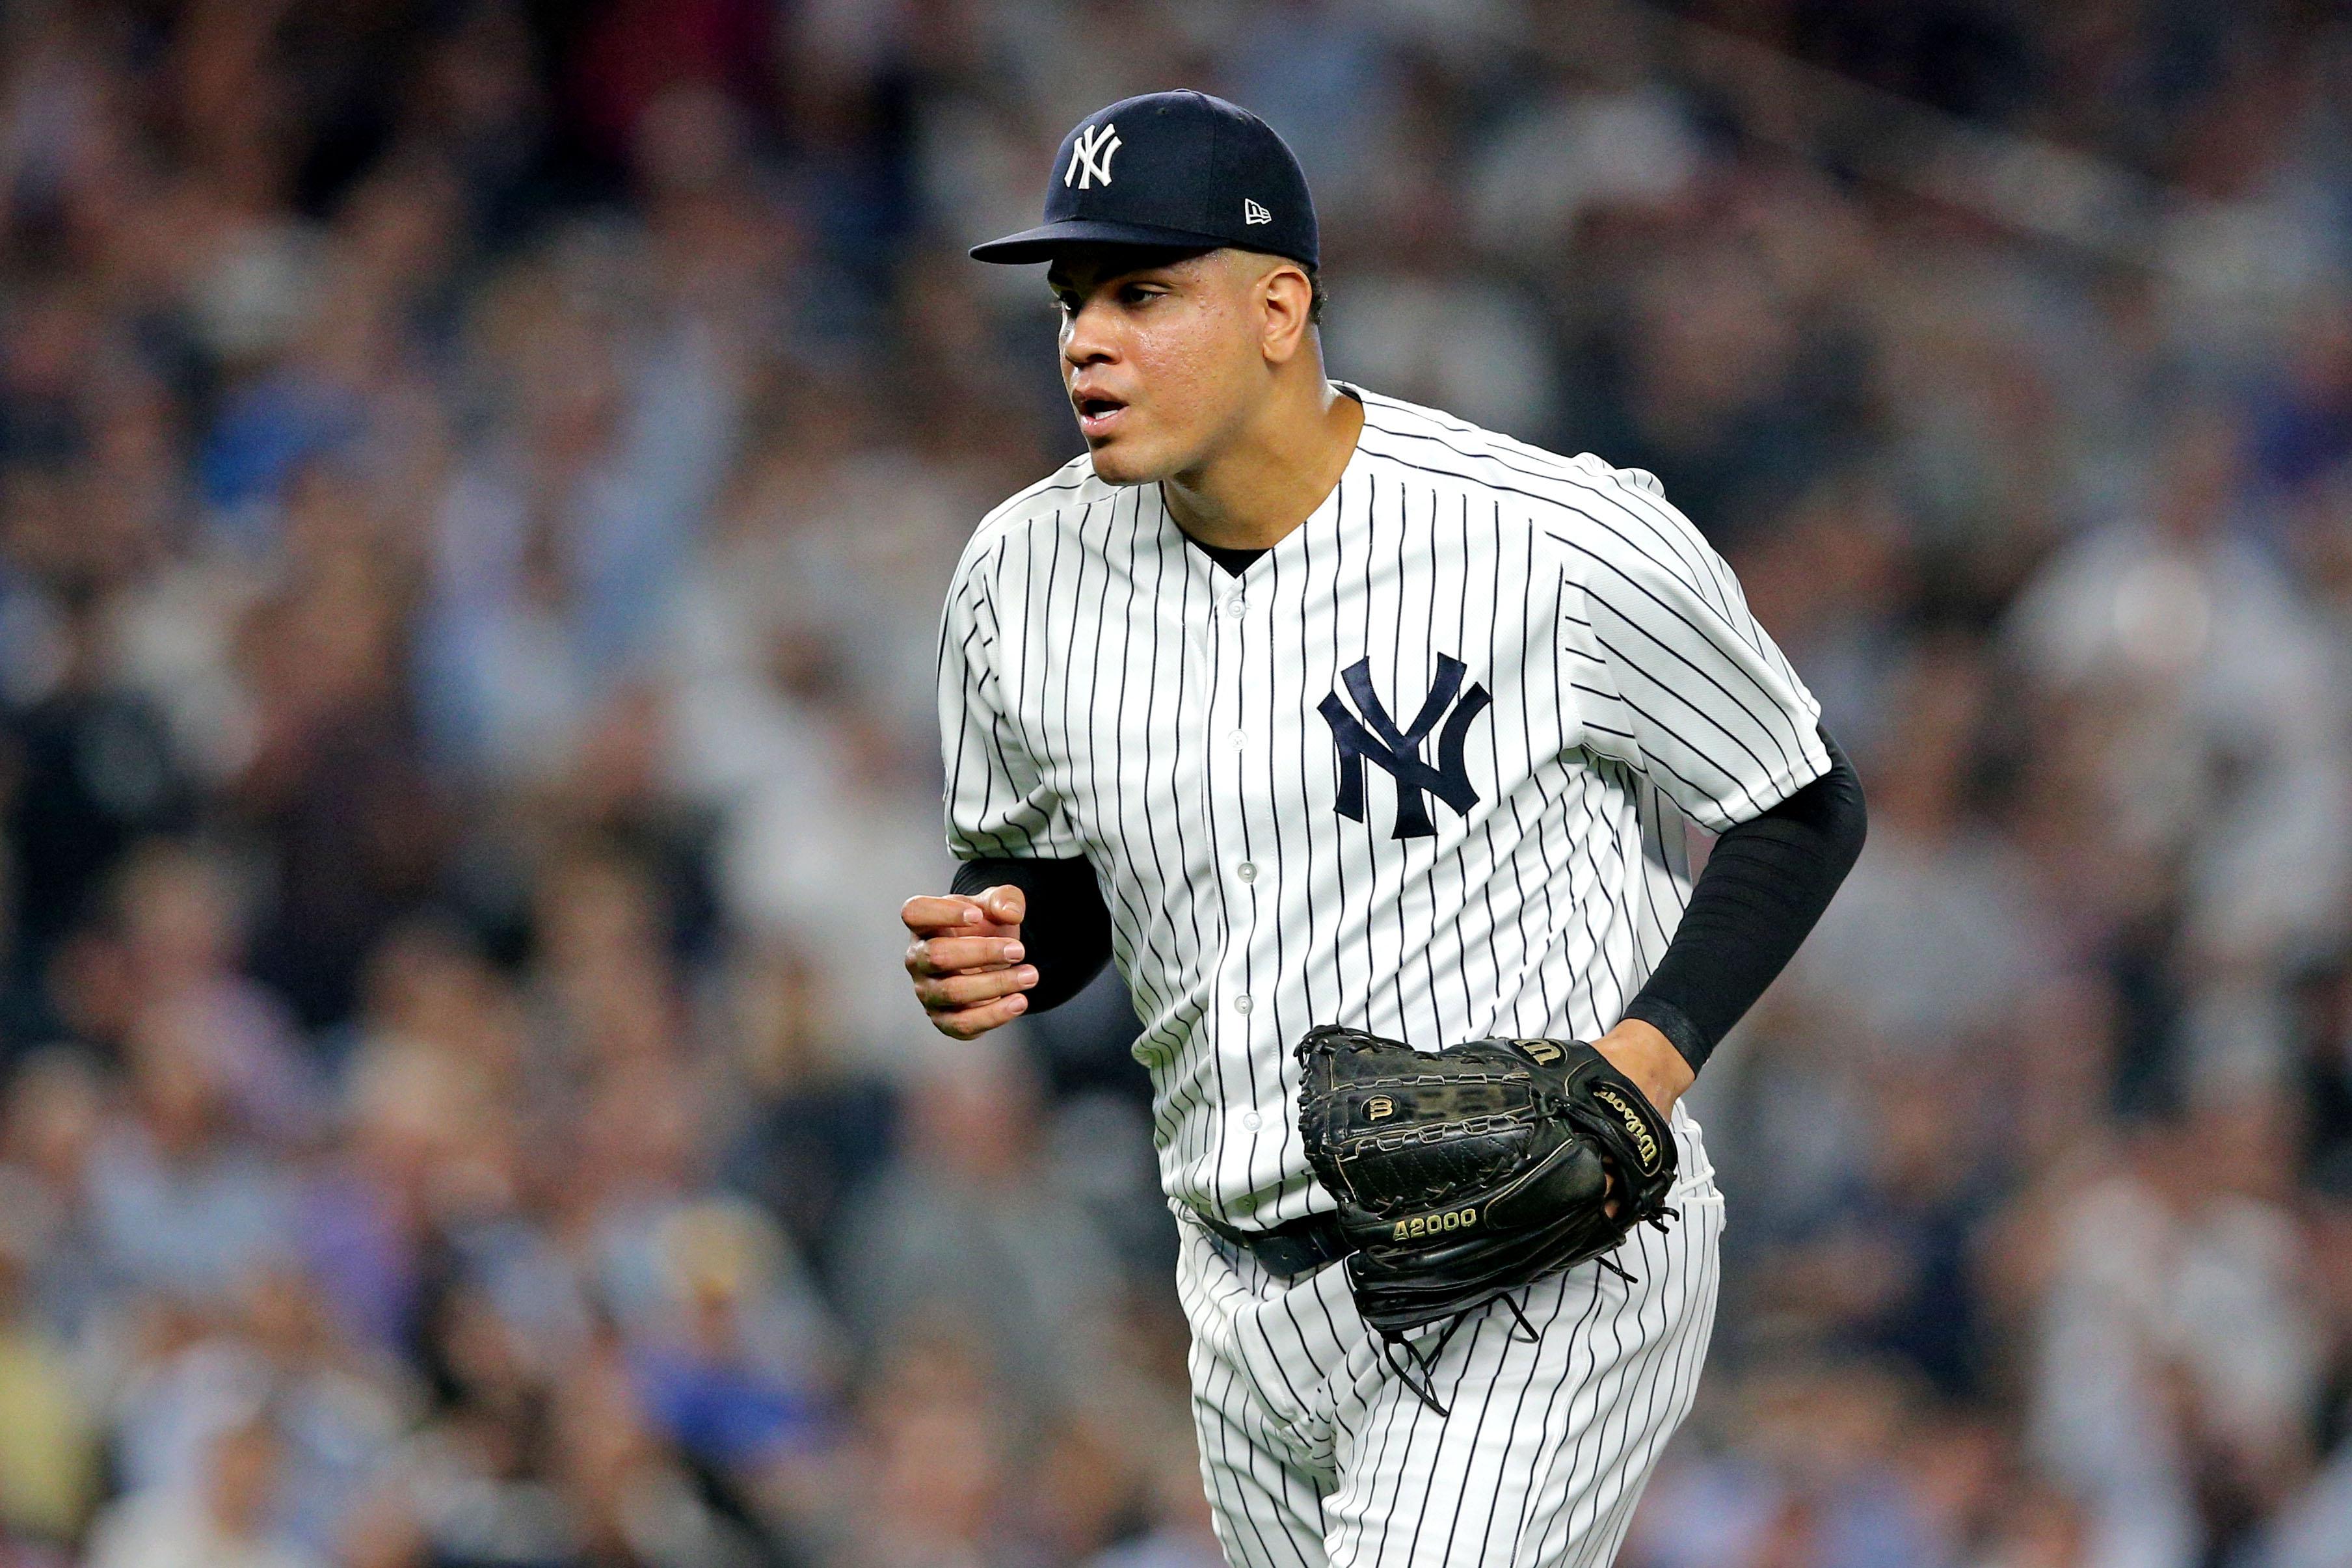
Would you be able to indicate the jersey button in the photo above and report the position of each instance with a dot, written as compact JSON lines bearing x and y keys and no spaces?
{"x":1242,"y":1004}
{"x":1250,"y":1121}
{"x":1246,"y":871}
{"x":1238,"y":740}
{"x":1236,"y":605}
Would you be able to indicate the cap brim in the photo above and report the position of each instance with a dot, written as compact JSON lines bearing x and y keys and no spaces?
{"x":1043,"y":243}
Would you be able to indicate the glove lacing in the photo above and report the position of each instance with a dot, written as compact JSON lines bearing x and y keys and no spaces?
{"x":1416,"y":1360}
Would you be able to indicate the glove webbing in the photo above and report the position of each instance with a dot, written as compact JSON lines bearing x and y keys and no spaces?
{"x":1424,"y":1388}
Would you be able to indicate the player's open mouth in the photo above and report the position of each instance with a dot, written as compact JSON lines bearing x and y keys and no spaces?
{"x":1097,"y":415}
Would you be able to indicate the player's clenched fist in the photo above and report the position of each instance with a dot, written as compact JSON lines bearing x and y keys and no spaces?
{"x":966,"y":959}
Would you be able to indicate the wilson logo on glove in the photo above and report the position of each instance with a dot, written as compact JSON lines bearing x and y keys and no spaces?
{"x":1644,"y":1139}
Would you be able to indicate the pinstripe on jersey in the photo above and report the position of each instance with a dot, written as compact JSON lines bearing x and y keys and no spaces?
{"x":1106,"y":691}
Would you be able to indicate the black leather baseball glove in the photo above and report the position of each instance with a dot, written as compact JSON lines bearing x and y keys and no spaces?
{"x":1468,"y":1172}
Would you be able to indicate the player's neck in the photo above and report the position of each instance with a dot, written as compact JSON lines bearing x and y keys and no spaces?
{"x":1268,"y":481}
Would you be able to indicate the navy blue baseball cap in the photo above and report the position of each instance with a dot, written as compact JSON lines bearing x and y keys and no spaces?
{"x":1179,"y":170}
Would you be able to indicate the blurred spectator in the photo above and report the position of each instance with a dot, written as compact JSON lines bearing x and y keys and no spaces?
{"x":92,"y":772}
{"x":816,"y":1131}
{"x":728,"y":1369}
{"x":969,"y":1238}
{"x":177,"y":916}
{"x":2179,"y":1357}
{"x":183,"y":1198}
{"x":936,"y":1468}
{"x":558,"y":539}
{"x":2225,"y":731}
{"x":332,"y":779}
{"x":1817,"y":1479}
{"x":223,"y":1521}
{"x":48,"y":1451}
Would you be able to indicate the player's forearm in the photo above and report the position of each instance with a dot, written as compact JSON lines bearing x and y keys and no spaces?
{"x":1065,"y":934}
{"x":1763,"y":888}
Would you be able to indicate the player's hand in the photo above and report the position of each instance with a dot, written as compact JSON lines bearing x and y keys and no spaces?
{"x":965,"y":959}
{"x":1641,"y":1053}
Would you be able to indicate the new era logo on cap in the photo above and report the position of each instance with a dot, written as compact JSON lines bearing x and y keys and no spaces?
{"x":1254,"y":214}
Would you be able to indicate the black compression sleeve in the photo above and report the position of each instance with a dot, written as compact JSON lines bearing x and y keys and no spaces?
{"x":1762,"y":889}
{"x":1065,"y":932}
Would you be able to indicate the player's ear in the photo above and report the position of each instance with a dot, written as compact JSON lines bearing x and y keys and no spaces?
{"x":1286,"y":300}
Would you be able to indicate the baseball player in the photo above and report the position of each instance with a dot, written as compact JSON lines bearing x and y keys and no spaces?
{"x":1356,"y":735}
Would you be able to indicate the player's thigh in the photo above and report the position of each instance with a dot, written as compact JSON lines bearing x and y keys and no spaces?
{"x":1547,"y":1444}
{"x":1265,"y":1499}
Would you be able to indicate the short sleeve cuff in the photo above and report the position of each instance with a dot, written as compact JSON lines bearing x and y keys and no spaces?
{"x":1746,"y":805}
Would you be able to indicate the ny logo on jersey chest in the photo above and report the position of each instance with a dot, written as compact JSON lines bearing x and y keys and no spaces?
{"x":1368,"y":733}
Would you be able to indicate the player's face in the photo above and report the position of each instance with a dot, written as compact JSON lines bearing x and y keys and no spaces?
{"x":1161,"y":355}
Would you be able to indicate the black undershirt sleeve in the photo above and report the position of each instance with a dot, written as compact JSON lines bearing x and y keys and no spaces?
{"x":1065,"y":930}
{"x":1762,"y":890}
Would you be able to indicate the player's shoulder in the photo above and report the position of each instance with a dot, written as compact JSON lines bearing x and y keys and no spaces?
{"x":1071,"y":488}
{"x":1543,"y":484}
{"x":1583,"y":505}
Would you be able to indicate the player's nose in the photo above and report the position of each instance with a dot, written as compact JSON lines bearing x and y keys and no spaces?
{"x":1087,"y":339}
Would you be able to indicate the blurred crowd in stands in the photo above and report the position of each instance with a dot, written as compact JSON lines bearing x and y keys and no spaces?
{"x":476,"y":482}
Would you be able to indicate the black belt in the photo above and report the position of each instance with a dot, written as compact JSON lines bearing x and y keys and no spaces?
{"x":1288,"y":1251}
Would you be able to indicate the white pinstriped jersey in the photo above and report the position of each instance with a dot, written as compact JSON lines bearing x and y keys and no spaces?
{"x":1416,"y":770}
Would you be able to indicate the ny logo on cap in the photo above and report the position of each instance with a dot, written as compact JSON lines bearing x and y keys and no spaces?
{"x":1090,"y":156}
{"x":1377,"y":739}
